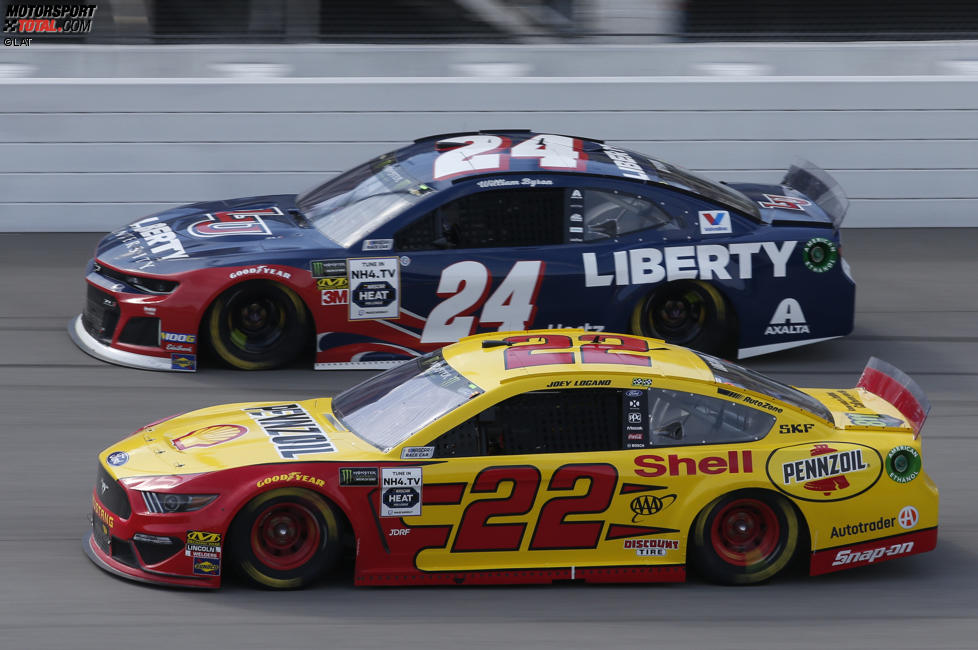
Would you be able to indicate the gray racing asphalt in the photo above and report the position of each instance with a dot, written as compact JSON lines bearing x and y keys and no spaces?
{"x":917,"y":307}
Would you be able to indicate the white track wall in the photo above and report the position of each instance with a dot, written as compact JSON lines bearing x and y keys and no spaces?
{"x":90,"y":154}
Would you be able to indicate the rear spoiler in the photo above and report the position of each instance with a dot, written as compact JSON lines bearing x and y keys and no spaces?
{"x":819,"y":186}
{"x":897,"y":388}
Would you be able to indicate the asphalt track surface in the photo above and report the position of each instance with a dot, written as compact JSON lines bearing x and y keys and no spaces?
{"x":917,"y":307}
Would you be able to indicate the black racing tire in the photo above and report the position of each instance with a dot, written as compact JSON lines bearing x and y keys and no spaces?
{"x":745,"y":538}
{"x":688,"y":313}
{"x":285,"y":539}
{"x":258,"y":325}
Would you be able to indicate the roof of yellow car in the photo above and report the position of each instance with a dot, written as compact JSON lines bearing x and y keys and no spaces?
{"x":487,"y":365}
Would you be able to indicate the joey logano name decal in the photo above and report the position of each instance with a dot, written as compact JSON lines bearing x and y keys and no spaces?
{"x":705,"y":262}
{"x":291,"y":429}
{"x":828,"y":471}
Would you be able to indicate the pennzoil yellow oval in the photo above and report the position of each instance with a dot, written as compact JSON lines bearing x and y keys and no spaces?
{"x":824,"y":471}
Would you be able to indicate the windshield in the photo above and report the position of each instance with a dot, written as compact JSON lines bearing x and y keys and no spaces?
{"x":731,"y":374}
{"x":354,"y":204}
{"x":676,"y":175}
{"x":389,"y":408}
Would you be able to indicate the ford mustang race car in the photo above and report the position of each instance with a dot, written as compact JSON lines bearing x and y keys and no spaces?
{"x":526,"y":457}
{"x":459,"y":234}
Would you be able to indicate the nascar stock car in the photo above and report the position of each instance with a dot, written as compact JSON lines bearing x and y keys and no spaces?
{"x":526,"y":457}
{"x":460,"y":234}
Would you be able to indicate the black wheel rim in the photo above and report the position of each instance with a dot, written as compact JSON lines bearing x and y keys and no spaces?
{"x":677,"y":315}
{"x":256,"y":320}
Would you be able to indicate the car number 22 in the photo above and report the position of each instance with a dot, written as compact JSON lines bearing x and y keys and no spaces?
{"x":550,"y":531}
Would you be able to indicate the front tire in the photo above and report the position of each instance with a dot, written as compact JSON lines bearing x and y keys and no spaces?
{"x":744,"y":538}
{"x":285,"y":539}
{"x":688,"y":313}
{"x":258,"y":325}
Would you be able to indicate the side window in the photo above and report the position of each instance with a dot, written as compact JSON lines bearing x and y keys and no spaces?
{"x":509,"y":217}
{"x":608,"y":214}
{"x":540,"y":422}
{"x":679,"y":418}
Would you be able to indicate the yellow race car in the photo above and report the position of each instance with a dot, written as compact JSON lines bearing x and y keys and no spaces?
{"x":526,"y":457}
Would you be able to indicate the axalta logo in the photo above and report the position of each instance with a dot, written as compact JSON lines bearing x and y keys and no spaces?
{"x":736,"y":462}
{"x":824,"y":471}
{"x":704,"y":262}
{"x":848,"y":556}
{"x":788,"y":319}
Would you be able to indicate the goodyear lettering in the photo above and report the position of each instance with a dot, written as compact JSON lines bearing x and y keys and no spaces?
{"x":295,"y":477}
{"x":849,"y":557}
{"x":262,"y":270}
{"x":291,"y":430}
{"x":705,"y":262}
{"x":736,"y":462}
{"x":101,"y":513}
{"x":862,"y":527}
{"x":824,"y":465}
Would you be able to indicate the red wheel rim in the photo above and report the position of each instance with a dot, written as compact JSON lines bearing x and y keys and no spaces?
{"x":745,"y":532}
{"x":285,"y":536}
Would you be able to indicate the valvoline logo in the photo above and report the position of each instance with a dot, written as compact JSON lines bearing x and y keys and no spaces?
{"x":715,"y":222}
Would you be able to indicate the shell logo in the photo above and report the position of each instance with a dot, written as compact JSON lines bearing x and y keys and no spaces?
{"x":825,"y":471}
{"x":209,"y":436}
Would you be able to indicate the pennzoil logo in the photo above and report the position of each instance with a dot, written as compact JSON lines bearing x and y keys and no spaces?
{"x":826,"y":471}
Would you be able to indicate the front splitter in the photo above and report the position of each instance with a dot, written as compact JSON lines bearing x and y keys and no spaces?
{"x":93,"y":347}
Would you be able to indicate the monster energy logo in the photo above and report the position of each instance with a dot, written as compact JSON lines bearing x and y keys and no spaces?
{"x":358,"y":476}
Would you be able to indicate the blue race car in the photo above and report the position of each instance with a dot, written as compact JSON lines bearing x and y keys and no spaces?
{"x":471,"y":232}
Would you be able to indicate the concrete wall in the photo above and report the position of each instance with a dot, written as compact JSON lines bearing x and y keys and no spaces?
{"x":91,"y":153}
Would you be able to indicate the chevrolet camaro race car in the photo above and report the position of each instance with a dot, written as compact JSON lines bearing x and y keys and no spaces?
{"x":460,"y":234}
{"x":526,"y":457}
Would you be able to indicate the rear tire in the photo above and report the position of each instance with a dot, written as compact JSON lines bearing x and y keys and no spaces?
{"x":688,"y":313}
{"x":258,"y":325}
{"x":744,"y":538}
{"x":285,"y":539}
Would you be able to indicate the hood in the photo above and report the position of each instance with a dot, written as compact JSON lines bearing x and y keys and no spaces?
{"x":857,"y":408}
{"x":181,"y":238}
{"x":236,"y":435}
